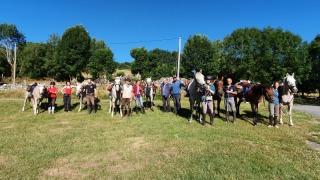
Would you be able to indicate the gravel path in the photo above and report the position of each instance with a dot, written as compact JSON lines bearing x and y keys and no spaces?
{"x":313,"y":110}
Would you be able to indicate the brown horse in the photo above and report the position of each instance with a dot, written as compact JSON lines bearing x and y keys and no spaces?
{"x":240,"y":94}
{"x":218,"y":84}
{"x":256,"y":95}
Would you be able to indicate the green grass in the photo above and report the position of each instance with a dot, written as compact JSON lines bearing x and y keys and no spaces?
{"x":154,"y":145}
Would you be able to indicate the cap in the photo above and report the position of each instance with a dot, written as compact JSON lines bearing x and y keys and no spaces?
{"x":174,"y":76}
{"x":52,"y":83}
{"x":209,"y":78}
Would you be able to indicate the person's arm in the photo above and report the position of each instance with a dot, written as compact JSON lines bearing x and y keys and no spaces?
{"x":62,"y":90}
{"x":95,"y":92}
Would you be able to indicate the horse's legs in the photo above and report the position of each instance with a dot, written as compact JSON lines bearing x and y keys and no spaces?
{"x":191,"y":109}
{"x":254,"y":114}
{"x":24,"y":104}
{"x":238,"y":106}
{"x":290,"y":114}
{"x":151,"y":101}
{"x":198,"y":111}
{"x":35,"y":104}
{"x":218,"y":107}
{"x":110,"y":105}
{"x":280,"y":119}
{"x":80,"y":99}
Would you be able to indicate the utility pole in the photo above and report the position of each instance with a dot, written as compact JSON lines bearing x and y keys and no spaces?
{"x":15,"y":64}
{"x":178,"y":64}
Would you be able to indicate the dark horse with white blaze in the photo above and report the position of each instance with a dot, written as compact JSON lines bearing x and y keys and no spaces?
{"x":286,"y":94}
{"x":196,"y":88}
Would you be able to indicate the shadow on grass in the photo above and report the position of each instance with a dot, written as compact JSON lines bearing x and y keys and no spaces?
{"x":248,"y":117}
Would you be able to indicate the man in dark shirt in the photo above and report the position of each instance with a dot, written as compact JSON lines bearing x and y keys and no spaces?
{"x":91,"y":93}
{"x":229,"y":95}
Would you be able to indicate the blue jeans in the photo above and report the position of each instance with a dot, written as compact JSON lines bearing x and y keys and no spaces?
{"x":139,"y":100}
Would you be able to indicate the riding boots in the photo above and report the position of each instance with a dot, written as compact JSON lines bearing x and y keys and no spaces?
{"x":211,"y":118}
{"x":89,"y":108}
{"x":270,"y":121}
{"x":204,"y":118}
{"x":275,"y":121}
{"x":227,"y":116}
{"x":234,"y":117}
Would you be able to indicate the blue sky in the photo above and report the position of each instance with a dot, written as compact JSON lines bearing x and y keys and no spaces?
{"x":118,"y":21}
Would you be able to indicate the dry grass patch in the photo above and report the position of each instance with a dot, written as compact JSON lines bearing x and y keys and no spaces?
{"x":63,"y":168}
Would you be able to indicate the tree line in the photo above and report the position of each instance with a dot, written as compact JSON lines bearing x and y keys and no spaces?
{"x":260,"y":55}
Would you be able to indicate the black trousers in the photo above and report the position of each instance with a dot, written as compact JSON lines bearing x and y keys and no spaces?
{"x":176,"y":102}
{"x":166,"y":104}
{"x":67,"y":102}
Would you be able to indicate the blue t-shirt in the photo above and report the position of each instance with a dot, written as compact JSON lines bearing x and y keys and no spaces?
{"x":276,"y":97}
{"x":212,"y":88}
{"x":176,"y":87}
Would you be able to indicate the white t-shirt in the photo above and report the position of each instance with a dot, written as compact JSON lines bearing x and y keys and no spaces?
{"x":127,"y":91}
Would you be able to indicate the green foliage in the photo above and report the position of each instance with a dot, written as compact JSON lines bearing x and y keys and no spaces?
{"x":200,"y":53}
{"x":9,"y":36}
{"x":314,"y":53}
{"x":33,"y":60}
{"x":51,"y":54}
{"x":155,"y":63}
{"x":73,"y":53}
{"x":265,"y":55}
{"x":4,"y":66}
{"x":120,"y":73}
{"x":125,"y":65}
{"x":101,"y":63}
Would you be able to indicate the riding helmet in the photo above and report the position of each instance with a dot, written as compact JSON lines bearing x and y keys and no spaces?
{"x":209,"y":78}
{"x":52,"y":83}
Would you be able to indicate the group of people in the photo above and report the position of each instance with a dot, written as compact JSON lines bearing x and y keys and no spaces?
{"x":168,"y":91}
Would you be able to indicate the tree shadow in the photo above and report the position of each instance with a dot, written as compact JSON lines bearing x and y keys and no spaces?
{"x":248,"y":117}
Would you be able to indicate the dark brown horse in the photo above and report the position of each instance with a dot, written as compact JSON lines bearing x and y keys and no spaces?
{"x":241,"y":86}
{"x":256,"y":95}
{"x":218,"y":84}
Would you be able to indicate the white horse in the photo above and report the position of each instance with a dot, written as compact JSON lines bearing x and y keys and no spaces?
{"x":195,"y":87}
{"x":149,"y":92}
{"x":115,"y":96}
{"x":38,"y":94}
{"x":286,"y":91}
{"x":80,"y":93}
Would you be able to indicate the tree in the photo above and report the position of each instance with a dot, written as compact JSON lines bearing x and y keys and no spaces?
{"x":101,"y":63}
{"x":73,"y":53}
{"x":33,"y":60}
{"x":140,"y":63}
{"x":314,"y":52}
{"x":9,"y":37}
{"x":199,"y":53}
{"x":51,"y":54}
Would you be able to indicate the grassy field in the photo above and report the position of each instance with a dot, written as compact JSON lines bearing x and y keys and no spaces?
{"x":154,"y":145}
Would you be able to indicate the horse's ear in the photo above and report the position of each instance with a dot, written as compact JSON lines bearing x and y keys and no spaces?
{"x":287,"y":75}
{"x":293,"y":75}
{"x":200,"y":71}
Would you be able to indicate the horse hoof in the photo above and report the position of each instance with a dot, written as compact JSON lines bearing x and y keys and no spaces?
{"x":291,"y":125}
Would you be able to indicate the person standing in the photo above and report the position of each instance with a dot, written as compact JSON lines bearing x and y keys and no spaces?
{"x":165,"y":93}
{"x":91,"y":93}
{"x":66,"y":91}
{"x":52,"y":96}
{"x":138,"y":93}
{"x":176,"y":94}
{"x":127,"y":94}
{"x":207,"y":101}
{"x":230,"y":92}
{"x":274,"y":106}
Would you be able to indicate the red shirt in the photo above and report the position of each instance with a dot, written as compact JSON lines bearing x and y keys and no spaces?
{"x":68,"y":90}
{"x":52,"y":92}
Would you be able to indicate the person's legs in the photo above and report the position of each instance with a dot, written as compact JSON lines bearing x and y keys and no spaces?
{"x":137,"y":102}
{"x":276,"y":115}
{"x":53,"y":102}
{"x":233,"y":108}
{"x":88,"y":103}
{"x":175,"y":103}
{"x":69,"y":103}
{"x":164,"y":105}
{"x":271,"y":113}
{"x":65,"y":103}
{"x":168,"y":104}
{"x":210,"y":106}
{"x":49,"y":105}
{"x":204,"y":112}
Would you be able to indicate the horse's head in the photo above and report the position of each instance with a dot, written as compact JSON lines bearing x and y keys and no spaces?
{"x":218,"y":83}
{"x":41,"y":89}
{"x":290,"y":82}
{"x":79,"y":89}
{"x":117,"y":82}
{"x":148,"y":81}
{"x":200,"y":81}
{"x":268,"y":92}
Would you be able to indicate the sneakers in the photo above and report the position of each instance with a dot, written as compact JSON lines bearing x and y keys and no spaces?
{"x":276,"y":126}
{"x":270,"y":126}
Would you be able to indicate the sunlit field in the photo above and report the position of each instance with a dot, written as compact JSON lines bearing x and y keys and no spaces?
{"x":154,"y":145}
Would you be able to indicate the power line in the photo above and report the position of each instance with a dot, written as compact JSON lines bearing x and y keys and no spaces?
{"x":135,"y":42}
